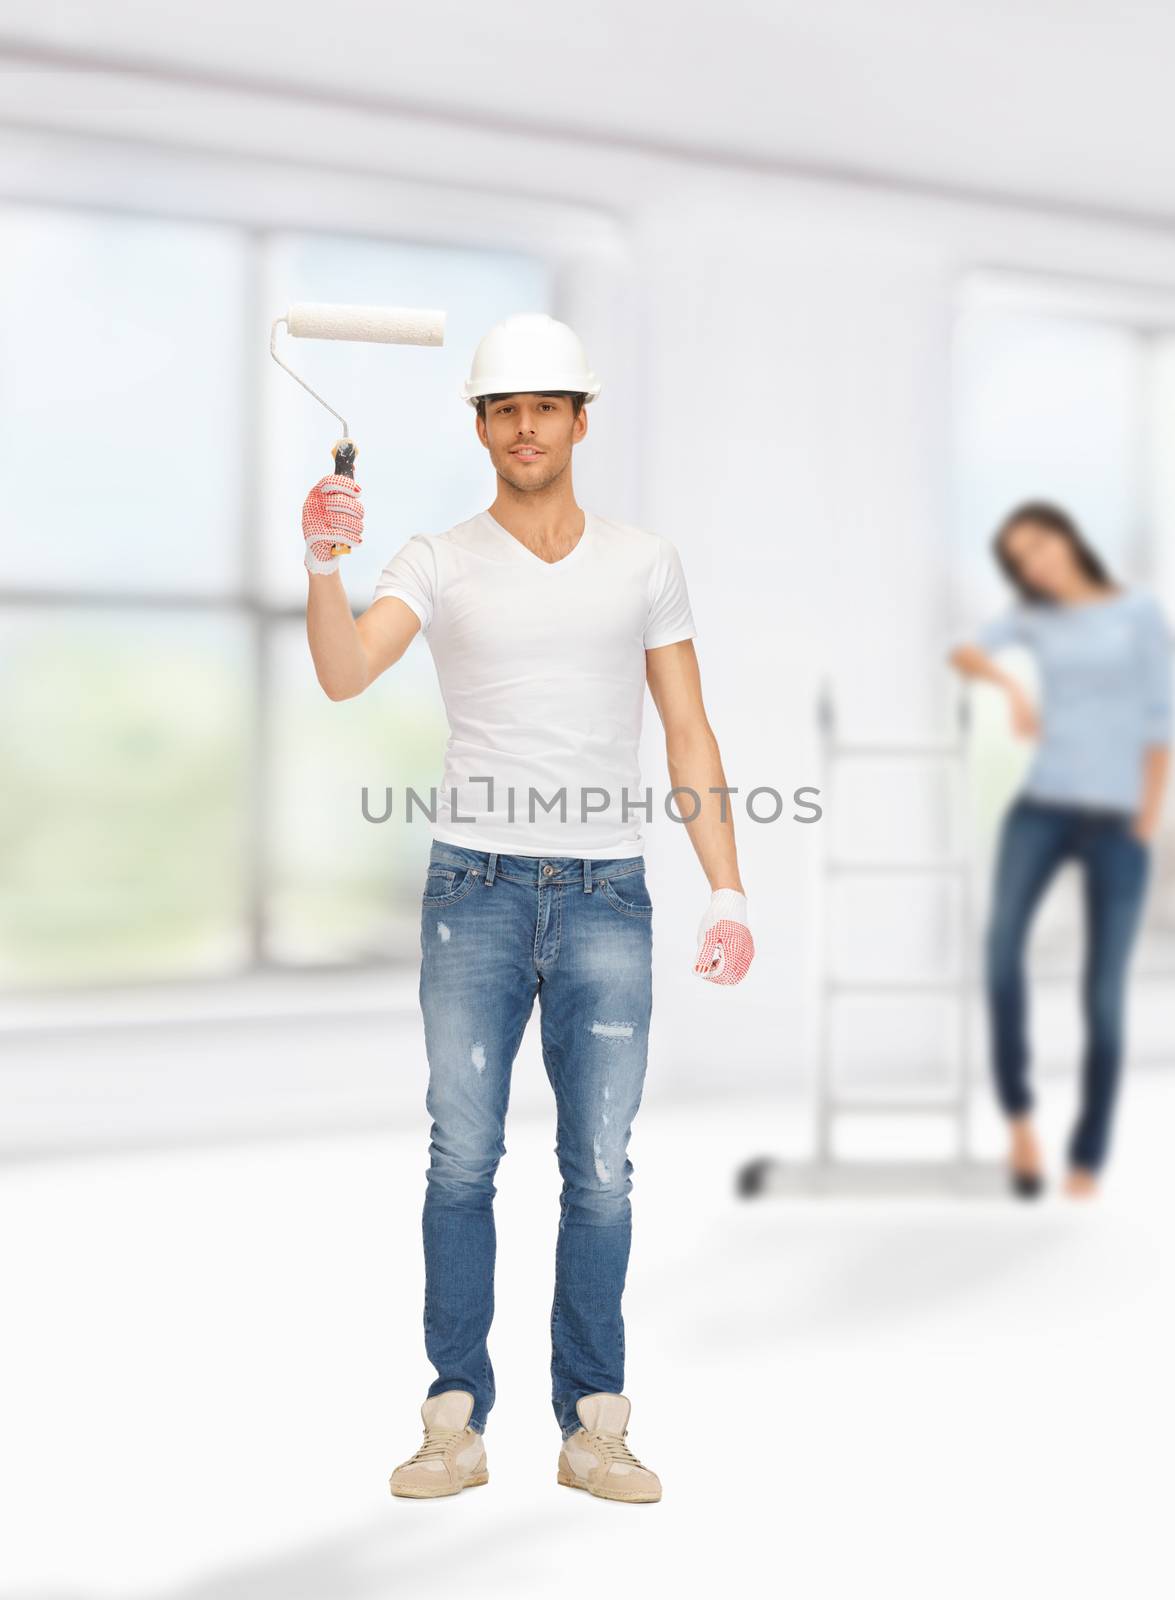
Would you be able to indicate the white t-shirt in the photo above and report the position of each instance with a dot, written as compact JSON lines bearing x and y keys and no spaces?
{"x":542,"y":670}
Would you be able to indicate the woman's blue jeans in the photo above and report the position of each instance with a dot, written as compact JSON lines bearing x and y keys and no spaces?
{"x":495,"y":931}
{"x":1036,"y":837}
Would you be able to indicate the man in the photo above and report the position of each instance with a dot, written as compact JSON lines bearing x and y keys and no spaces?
{"x":545,"y":623}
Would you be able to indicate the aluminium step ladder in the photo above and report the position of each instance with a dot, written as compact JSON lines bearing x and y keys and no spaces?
{"x":826,"y":1169}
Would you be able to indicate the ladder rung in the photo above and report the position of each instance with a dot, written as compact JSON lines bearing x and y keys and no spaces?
{"x":880,"y":867}
{"x":902,"y":751}
{"x":894,"y":985}
{"x":894,"y":1107}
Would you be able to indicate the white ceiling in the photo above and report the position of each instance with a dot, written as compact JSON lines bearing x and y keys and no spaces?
{"x":1066,"y":101}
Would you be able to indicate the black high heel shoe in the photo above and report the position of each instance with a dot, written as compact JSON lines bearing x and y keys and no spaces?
{"x":1026,"y":1185}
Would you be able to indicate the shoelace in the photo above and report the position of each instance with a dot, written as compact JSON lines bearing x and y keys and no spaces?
{"x":436,"y":1442}
{"x":614,"y":1447}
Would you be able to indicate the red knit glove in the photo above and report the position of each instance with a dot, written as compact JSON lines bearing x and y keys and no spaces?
{"x":331,"y":515}
{"x":725,"y":946}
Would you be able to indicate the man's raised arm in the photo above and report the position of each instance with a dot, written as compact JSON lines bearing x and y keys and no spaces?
{"x":348,"y":654}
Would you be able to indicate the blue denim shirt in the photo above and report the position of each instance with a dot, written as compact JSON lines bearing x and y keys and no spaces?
{"x":1105,"y":693}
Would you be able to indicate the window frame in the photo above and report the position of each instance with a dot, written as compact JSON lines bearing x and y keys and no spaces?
{"x":583,"y":248}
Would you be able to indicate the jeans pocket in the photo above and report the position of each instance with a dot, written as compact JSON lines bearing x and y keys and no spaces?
{"x":1144,"y":848}
{"x":1127,"y":829}
{"x":444,"y":885}
{"x":628,"y":894}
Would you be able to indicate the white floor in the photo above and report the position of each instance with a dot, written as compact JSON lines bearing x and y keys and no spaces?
{"x":213,"y":1360}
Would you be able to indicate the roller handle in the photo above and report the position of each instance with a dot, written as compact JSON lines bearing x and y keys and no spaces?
{"x":344,"y":452}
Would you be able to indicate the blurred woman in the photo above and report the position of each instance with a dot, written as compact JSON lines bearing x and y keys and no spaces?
{"x":1093,"y":793}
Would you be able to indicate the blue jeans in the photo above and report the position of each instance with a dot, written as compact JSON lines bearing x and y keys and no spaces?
{"x":496,"y":931}
{"x":1035,"y":838}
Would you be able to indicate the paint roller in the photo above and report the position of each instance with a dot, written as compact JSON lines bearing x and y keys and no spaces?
{"x":369,"y":324}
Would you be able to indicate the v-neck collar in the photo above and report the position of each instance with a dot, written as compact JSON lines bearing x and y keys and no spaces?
{"x":525,"y":554}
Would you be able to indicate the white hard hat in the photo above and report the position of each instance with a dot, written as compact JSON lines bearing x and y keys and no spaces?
{"x":529,"y":353}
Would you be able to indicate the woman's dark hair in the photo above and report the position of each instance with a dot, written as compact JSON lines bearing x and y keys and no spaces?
{"x":1043,"y":514}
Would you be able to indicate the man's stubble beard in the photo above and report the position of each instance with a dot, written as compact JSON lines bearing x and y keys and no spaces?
{"x":527,"y":480}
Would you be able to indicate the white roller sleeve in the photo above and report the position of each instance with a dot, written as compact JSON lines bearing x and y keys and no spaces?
{"x":374,"y":324}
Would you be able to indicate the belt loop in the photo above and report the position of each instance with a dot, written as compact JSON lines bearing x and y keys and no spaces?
{"x":492,"y":868}
{"x":587,"y":875}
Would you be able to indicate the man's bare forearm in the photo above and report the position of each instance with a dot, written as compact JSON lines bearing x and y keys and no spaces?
{"x":694,"y":762}
{"x":340,"y":660}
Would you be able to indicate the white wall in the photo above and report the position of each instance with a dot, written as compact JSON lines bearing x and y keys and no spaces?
{"x":776,"y":355}
{"x":798,"y":453}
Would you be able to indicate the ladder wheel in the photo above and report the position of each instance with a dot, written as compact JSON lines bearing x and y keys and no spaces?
{"x":752,"y":1178}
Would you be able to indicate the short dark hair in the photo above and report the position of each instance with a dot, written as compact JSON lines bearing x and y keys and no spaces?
{"x":577,"y":400}
{"x":1045,"y":514}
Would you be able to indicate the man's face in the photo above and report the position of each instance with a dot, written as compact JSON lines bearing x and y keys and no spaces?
{"x":530,"y":437}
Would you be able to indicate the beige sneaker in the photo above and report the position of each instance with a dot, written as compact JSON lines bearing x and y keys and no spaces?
{"x":452,"y":1457}
{"x":597,"y":1458}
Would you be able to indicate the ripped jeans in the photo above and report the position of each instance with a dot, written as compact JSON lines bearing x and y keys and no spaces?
{"x":497,"y":930}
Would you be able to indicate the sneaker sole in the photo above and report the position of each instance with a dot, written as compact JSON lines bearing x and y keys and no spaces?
{"x":438,"y":1494}
{"x":631,"y":1499}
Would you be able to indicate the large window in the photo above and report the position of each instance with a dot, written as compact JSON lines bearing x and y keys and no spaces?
{"x":179,"y":797}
